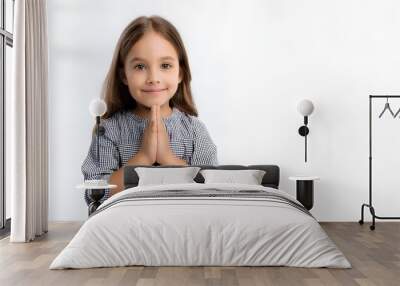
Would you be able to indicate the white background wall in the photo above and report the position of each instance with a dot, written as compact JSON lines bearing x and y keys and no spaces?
{"x":251,"y":61}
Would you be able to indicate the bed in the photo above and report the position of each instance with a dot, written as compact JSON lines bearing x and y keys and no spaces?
{"x":201,"y":224}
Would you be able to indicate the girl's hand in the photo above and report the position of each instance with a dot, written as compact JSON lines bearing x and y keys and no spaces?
{"x":149,"y":141}
{"x":165,"y":155}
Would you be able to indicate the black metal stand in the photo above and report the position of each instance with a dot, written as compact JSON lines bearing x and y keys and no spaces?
{"x":96,"y":195}
{"x":305,"y":193}
{"x":303,"y":131}
{"x":369,"y":205}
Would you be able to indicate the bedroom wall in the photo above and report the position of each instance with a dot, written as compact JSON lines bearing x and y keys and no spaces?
{"x":251,"y":61}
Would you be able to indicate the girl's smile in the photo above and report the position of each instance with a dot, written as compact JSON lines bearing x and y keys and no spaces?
{"x":154,"y":90}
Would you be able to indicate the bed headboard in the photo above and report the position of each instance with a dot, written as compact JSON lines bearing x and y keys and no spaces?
{"x":270,"y":179}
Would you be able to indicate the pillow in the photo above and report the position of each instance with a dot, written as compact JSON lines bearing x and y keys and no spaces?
{"x":249,"y":177}
{"x":162,"y":176}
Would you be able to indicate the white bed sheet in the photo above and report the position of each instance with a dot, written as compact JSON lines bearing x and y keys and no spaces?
{"x":201,"y":232}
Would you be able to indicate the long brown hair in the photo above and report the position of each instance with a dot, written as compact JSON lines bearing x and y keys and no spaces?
{"x":116,"y":93}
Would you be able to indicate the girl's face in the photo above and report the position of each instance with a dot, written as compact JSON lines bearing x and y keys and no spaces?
{"x":152,"y":70}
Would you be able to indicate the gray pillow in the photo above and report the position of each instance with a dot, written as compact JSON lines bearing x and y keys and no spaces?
{"x":162,"y":176}
{"x":249,"y":177}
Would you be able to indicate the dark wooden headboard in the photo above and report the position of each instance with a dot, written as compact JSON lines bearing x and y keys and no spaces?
{"x":270,"y":179}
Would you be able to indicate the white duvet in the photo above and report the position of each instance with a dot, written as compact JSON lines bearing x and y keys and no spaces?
{"x":200,"y":231}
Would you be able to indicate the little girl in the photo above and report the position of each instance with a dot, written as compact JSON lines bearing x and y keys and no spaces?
{"x":151,"y":118}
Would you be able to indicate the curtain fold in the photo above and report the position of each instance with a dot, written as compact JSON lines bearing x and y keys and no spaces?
{"x":27,"y":134}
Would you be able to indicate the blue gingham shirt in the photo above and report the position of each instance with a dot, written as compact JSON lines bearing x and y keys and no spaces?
{"x":188,"y":138}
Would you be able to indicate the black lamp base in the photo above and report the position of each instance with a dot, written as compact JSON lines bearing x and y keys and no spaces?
{"x":303,"y":130}
{"x":102,"y":130}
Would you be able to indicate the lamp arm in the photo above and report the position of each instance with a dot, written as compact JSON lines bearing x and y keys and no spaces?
{"x":97,"y":138}
{"x":305,"y":151}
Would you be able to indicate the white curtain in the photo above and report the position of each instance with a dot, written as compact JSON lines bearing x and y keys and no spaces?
{"x":26,"y":123}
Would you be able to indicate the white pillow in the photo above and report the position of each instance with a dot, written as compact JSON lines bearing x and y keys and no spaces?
{"x":162,"y":176}
{"x":249,"y":177}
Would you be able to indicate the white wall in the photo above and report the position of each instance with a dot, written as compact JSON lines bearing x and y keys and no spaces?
{"x":251,"y":61}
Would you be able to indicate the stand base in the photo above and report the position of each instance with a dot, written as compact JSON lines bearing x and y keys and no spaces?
{"x":372,"y":211}
{"x":96,"y":195}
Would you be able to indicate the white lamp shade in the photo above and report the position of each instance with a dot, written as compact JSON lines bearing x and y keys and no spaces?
{"x":97,"y":107}
{"x":305,"y":107}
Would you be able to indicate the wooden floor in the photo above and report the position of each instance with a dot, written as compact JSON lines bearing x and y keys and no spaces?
{"x":374,"y":255}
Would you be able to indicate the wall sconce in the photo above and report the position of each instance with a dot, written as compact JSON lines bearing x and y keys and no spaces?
{"x":97,"y":108}
{"x":305,"y":108}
